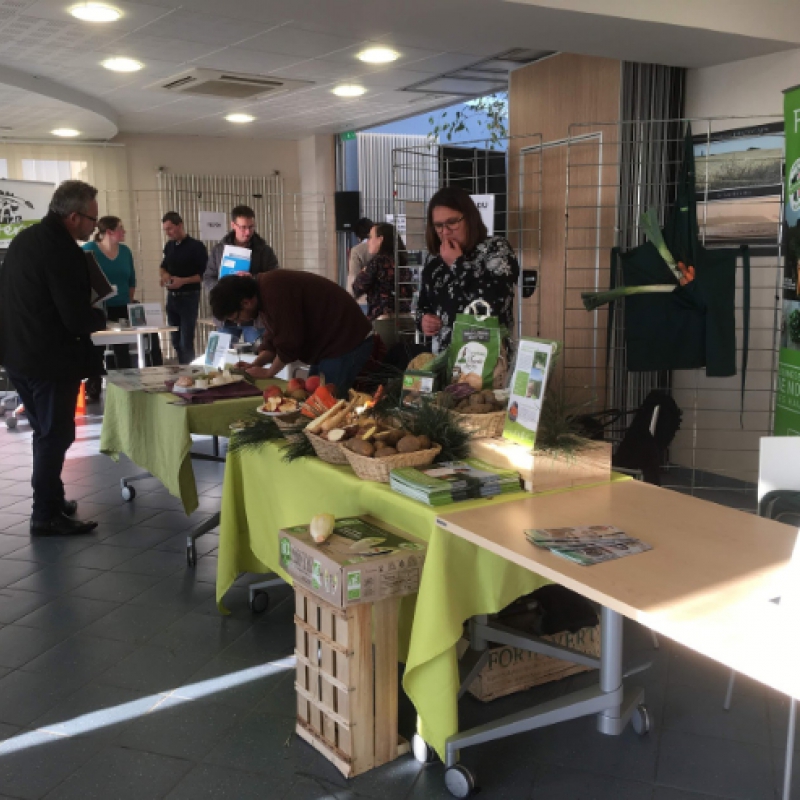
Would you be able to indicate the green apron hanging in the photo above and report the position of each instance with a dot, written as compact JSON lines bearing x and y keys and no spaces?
{"x":694,"y":326}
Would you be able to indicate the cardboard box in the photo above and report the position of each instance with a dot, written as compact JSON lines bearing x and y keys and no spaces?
{"x":363,"y":561}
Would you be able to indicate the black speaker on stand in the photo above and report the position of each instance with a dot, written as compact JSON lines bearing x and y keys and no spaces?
{"x":347,"y":207}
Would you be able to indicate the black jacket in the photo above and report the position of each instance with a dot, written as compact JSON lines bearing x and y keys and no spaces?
{"x":46,"y":316}
{"x":262,"y":258}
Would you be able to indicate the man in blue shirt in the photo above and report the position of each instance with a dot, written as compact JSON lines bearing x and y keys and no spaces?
{"x":182,"y":275}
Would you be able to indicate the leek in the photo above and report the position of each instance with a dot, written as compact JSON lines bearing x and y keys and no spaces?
{"x":593,"y":300}
{"x":649,"y":224}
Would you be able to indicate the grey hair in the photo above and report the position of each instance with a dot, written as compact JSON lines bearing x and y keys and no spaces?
{"x":72,"y":197}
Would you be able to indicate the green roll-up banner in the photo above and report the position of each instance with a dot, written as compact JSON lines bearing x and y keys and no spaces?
{"x":787,"y":398}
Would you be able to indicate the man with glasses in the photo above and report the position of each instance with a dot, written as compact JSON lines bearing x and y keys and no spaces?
{"x":262,"y":259}
{"x":46,"y":322}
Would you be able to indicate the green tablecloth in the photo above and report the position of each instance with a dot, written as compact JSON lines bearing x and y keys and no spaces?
{"x":262,"y":494}
{"x":157,"y":436}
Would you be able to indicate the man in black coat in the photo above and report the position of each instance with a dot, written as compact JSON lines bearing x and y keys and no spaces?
{"x":46,"y":322}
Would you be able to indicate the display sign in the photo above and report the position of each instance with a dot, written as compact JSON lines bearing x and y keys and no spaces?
{"x":213,"y":225}
{"x":400,"y":225}
{"x":146,"y":315}
{"x":217,"y":350}
{"x":528,"y":385}
{"x":22,"y":204}
{"x":485,"y":204}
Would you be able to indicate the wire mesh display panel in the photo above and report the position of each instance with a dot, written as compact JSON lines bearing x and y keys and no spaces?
{"x":512,"y":177}
{"x":615,"y":171}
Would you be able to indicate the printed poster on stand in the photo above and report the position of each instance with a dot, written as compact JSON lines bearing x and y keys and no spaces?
{"x":217,"y":350}
{"x":22,"y":204}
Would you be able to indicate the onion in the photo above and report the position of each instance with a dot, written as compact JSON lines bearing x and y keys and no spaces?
{"x":321,"y":527}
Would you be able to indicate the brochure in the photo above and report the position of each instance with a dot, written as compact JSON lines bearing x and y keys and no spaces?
{"x":149,"y":379}
{"x":234,"y":259}
{"x":217,"y":350}
{"x":146,"y":315}
{"x":102,"y":290}
{"x":587,"y":545}
{"x":528,"y":385}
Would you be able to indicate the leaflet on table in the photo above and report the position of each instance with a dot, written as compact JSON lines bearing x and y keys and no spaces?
{"x":149,"y":379}
{"x":587,"y":545}
{"x":234,"y":259}
{"x":528,"y":385}
{"x":217,"y":350}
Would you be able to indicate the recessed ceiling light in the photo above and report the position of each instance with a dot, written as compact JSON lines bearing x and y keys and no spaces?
{"x":349,"y":90}
{"x":122,"y":64}
{"x":239,"y":118}
{"x":67,"y":133}
{"x":95,"y":12}
{"x":378,"y":55}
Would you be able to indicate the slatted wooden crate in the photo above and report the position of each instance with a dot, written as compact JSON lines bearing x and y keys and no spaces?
{"x":346,"y":696}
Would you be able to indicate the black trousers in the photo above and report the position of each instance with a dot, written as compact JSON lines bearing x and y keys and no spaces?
{"x":50,"y":406}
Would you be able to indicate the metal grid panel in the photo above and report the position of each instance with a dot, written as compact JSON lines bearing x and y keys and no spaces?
{"x":716,"y":449}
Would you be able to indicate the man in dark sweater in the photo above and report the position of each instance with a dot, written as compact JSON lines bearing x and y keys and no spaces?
{"x":182,"y":276}
{"x":306,"y":318}
{"x":46,"y":322}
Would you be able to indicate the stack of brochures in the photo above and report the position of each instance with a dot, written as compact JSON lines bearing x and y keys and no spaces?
{"x":587,"y":545}
{"x":452,"y":481}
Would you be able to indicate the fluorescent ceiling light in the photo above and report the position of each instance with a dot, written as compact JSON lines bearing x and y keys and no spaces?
{"x":349,"y":90}
{"x":95,"y":12}
{"x":239,"y":118}
{"x":122,"y":64}
{"x":65,"y":132}
{"x":378,"y":55}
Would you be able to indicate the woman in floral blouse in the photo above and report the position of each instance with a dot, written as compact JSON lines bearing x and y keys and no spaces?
{"x":468,"y":265}
{"x":377,"y":279}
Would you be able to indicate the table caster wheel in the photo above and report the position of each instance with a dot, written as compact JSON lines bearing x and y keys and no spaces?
{"x":640,"y":720}
{"x":460,"y":782}
{"x":259,"y":602}
{"x":11,"y":423}
{"x":423,"y":752}
{"x":128,"y":493}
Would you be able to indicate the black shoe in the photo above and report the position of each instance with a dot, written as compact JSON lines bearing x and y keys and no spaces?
{"x":61,"y":525}
{"x":70,"y":508}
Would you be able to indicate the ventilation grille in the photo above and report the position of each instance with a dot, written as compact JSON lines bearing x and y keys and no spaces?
{"x":230,"y":85}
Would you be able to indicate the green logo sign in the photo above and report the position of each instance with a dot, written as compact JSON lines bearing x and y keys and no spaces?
{"x":316,"y":575}
{"x":286,"y":551}
{"x":354,"y":585}
{"x":347,"y":136}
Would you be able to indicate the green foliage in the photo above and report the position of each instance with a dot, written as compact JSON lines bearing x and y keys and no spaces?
{"x":440,"y":426}
{"x":259,"y":431}
{"x":488,"y":117}
{"x":299,"y":448}
{"x":558,"y":434}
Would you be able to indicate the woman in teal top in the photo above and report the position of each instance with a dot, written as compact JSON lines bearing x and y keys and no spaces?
{"x":116,"y":261}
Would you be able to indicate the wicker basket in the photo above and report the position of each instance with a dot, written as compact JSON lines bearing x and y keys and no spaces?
{"x":378,"y":469}
{"x":330,"y":452}
{"x":482,"y":426}
{"x":291,"y":426}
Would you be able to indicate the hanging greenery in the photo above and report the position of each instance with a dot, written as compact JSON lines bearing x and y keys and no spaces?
{"x":258,"y":430}
{"x":483,"y":117}
{"x":299,"y":447}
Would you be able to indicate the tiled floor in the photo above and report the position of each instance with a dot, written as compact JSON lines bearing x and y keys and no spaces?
{"x":119,"y":679}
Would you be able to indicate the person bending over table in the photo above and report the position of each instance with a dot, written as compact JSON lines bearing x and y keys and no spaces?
{"x":468,"y":265}
{"x":306,"y":318}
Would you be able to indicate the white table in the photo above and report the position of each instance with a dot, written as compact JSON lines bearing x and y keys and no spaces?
{"x":706,"y":583}
{"x":129,"y":336}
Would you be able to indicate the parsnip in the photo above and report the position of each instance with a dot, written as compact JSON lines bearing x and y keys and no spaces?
{"x":316,"y":425}
{"x":338,"y":420}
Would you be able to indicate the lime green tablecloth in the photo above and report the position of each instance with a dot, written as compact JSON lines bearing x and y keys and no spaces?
{"x":262,"y":494}
{"x":157,"y":436}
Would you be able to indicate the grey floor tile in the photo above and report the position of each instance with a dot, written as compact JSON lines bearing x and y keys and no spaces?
{"x":175,"y":521}
{"x":159,"y":563}
{"x":206,"y":569}
{"x":126,"y":513}
{"x":69,"y":614}
{"x":9,"y":543}
{"x":16,"y":604}
{"x":310,"y":789}
{"x":263,"y":642}
{"x":80,"y":655}
{"x":202,"y":632}
{"x":720,"y":767}
{"x":19,"y":645}
{"x":209,"y":782}
{"x":34,"y":763}
{"x":7,"y":519}
{"x":430,"y":786}
{"x":13,"y":571}
{"x":111,"y":495}
{"x":122,"y":774}
{"x":668,"y":793}
{"x":118,"y":587}
{"x":181,"y":728}
{"x":176,"y":591}
{"x":558,"y":783}
{"x":177,"y":544}
{"x":134,"y":624}
{"x":155,"y":669}
{"x":52,"y":550}
{"x":100,"y":556}
{"x":282,"y":700}
{"x":55,"y":579}
{"x":17,"y":489}
{"x":392,"y":781}
{"x":162,"y":501}
{"x":25,"y":696}
{"x":139,"y":536}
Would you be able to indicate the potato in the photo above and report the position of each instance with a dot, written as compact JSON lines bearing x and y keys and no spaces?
{"x":361,"y":447}
{"x":385,"y":452}
{"x":424,"y":442}
{"x":408,"y":444}
{"x":463,"y":405}
{"x":476,"y":399}
{"x":393,"y":436}
{"x":483,"y":408}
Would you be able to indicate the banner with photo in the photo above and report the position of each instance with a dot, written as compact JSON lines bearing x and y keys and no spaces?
{"x":22,"y":203}
{"x":787,"y":397}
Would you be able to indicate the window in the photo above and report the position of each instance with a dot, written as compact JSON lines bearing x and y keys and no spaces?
{"x":34,"y":169}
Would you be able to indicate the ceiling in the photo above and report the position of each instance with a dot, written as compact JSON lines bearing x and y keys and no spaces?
{"x":317,"y":41}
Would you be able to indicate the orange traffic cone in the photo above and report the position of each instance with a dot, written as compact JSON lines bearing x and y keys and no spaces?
{"x":80,"y":408}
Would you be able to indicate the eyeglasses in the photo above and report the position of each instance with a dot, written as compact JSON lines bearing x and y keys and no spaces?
{"x":245,"y":227}
{"x":86,"y":216}
{"x":448,"y":224}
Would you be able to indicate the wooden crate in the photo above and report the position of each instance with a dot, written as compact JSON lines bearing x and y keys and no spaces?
{"x":346,"y":695}
{"x":511,"y":669}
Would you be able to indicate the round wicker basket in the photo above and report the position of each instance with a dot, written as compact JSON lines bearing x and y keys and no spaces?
{"x":482,"y":426}
{"x":378,"y":469}
{"x":330,"y":452}
{"x":291,"y":427}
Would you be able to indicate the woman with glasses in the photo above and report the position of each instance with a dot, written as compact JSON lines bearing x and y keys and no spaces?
{"x":467,"y":265}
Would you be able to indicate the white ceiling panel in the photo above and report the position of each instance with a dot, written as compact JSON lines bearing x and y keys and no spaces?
{"x":292,"y":41}
{"x":218,"y":31}
{"x":240,"y":59}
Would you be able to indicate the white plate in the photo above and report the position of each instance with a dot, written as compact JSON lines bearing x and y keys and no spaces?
{"x":263,"y":413}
